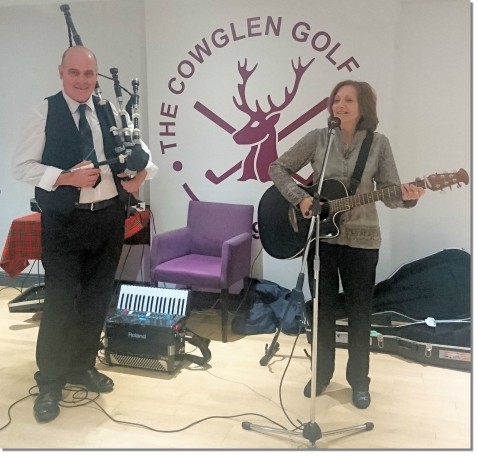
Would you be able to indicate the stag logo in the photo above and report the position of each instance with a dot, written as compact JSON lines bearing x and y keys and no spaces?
{"x":260,"y":131}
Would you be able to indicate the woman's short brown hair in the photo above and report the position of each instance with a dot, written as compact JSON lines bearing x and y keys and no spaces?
{"x":367,"y":101}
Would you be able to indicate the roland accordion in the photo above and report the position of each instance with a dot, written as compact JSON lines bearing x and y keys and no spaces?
{"x":148,"y":328}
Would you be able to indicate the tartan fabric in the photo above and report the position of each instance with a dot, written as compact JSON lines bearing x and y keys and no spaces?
{"x":136,"y":222}
{"x":23,"y":243}
{"x":24,"y":240}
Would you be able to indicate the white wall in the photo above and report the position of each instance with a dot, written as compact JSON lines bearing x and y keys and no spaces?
{"x":416,"y":53}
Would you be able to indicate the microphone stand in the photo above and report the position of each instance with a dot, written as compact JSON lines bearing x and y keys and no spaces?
{"x":311,"y":430}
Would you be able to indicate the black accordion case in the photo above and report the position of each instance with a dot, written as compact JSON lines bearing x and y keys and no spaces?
{"x":422,"y":312}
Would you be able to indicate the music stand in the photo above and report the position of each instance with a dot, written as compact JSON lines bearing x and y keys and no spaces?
{"x":311,"y":430}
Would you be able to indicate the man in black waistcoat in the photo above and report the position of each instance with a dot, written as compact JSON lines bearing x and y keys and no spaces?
{"x":83,"y":214}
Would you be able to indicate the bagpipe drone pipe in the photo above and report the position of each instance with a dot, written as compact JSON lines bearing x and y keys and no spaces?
{"x":130,"y":156}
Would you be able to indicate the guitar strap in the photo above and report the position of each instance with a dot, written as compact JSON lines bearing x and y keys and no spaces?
{"x":360,"y":165}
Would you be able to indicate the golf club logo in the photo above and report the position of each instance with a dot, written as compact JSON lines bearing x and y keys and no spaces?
{"x":260,"y":133}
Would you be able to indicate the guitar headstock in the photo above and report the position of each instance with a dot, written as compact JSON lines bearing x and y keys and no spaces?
{"x":443,"y":180}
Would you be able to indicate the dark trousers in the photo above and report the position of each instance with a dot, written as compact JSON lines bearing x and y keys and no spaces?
{"x":356,"y":269}
{"x":80,"y":254}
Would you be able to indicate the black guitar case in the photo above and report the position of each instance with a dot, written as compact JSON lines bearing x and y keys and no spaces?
{"x":422,"y":311}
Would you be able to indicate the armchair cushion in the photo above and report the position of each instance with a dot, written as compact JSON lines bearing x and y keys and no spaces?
{"x":205,"y":243}
{"x":192,"y":270}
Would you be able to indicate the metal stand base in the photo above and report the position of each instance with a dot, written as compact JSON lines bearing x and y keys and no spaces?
{"x":311,"y":431}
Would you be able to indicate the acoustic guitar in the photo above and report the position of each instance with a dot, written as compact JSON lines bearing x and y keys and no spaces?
{"x":284,"y":231}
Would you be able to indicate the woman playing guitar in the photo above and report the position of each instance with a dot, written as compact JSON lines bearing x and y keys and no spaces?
{"x":351,"y":254}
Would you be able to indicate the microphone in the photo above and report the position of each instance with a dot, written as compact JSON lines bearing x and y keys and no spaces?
{"x":333,"y":122}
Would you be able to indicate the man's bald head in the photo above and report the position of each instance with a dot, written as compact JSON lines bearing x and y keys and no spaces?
{"x":78,"y":71}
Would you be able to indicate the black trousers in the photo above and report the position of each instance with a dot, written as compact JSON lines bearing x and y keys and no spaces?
{"x":80,"y":254}
{"x":357,"y":271}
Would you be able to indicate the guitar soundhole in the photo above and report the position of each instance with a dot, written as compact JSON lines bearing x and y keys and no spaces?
{"x":324,"y":209}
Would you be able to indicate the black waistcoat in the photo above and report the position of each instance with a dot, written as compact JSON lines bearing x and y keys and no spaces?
{"x":62,"y":150}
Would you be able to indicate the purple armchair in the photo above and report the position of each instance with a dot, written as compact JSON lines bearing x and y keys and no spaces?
{"x":213,"y":251}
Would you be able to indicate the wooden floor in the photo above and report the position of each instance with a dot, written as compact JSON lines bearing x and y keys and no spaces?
{"x":413,"y":406}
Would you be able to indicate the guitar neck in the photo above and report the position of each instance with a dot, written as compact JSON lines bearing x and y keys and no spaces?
{"x":392,"y":193}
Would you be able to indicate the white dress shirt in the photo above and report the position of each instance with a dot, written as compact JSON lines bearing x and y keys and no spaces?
{"x":26,"y":164}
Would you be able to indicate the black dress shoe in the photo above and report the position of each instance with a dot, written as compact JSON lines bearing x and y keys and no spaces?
{"x":319,"y":388}
{"x":92,"y":380}
{"x":46,"y":406}
{"x":361,"y":399}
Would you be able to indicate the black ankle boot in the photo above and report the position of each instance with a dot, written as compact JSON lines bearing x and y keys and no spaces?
{"x":361,"y":399}
{"x":319,"y":388}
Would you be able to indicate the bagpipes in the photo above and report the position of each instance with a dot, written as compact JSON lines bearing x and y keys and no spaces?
{"x":127,"y":146}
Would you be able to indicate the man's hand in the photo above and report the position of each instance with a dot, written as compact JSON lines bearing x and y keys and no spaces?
{"x":80,"y":178}
{"x":133,"y":185}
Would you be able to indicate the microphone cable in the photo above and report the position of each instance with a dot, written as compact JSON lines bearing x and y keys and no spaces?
{"x":81,"y":398}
